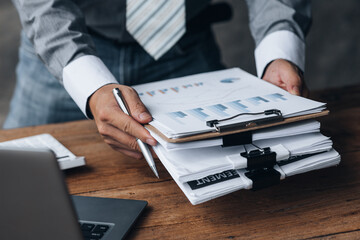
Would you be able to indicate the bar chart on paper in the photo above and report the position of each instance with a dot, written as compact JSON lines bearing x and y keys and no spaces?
{"x":182,"y":106}
{"x":198,"y":113}
{"x":223,"y":110}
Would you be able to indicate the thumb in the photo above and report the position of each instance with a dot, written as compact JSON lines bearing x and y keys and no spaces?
{"x":137,"y":109}
{"x":293,"y":83}
{"x":295,"y":90}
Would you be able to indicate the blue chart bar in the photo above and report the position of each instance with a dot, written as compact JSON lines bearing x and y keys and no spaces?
{"x":219,"y":109}
{"x":229,"y":80}
{"x":257,"y":100}
{"x":197,"y":112}
{"x":176,"y":116}
{"x":276,"y":97}
{"x":238,"y":106}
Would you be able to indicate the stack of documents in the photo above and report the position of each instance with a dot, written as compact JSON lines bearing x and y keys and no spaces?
{"x":209,"y":172}
{"x":241,"y":157}
{"x":180,"y":107}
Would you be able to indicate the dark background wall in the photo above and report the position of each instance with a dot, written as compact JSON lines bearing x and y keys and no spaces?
{"x":333,"y":45}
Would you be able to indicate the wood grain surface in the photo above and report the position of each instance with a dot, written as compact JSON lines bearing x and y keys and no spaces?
{"x":323,"y":204}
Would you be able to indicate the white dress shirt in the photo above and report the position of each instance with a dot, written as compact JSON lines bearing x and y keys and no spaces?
{"x":86,"y":74}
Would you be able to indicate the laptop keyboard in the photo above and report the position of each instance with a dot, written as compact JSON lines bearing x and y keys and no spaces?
{"x":94,"y":230}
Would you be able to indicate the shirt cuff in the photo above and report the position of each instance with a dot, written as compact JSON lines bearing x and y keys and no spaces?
{"x":280,"y":44}
{"x":83,"y":76}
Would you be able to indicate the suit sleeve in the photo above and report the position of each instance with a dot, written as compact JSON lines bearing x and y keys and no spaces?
{"x":279,"y":28}
{"x":57,"y":30}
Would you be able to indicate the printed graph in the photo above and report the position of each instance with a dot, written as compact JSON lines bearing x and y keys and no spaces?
{"x":218,"y":109}
{"x":223,"y":110}
{"x":238,"y":106}
{"x":198,"y":113}
{"x":170,"y":90}
{"x":176,"y":116}
{"x":257,"y":100}
{"x":276,"y":97}
{"x":229,"y":80}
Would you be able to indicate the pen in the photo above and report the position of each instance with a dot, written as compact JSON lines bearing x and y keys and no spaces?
{"x":144,"y":148}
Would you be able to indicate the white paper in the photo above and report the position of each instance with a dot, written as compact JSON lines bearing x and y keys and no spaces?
{"x":197,"y":196}
{"x":181,"y":106}
{"x":291,"y":129}
{"x":191,"y":164}
{"x":65,"y":158}
{"x":315,"y":162}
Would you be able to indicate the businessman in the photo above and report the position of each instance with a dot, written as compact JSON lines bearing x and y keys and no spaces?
{"x":73,"y":53}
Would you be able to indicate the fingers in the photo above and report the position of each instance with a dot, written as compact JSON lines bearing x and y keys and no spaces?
{"x":139,"y":114}
{"x":118,"y":129}
{"x":108,"y":112}
{"x":293,"y":82}
{"x":117,"y":138}
{"x":285,"y":75}
{"x":123,"y":143}
{"x":128,"y":143}
{"x":137,"y":109}
{"x":128,"y":125}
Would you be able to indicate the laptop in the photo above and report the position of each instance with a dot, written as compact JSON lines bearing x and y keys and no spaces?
{"x":35,"y":204}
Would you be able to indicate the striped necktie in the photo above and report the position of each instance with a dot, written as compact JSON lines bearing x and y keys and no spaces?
{"x":156,"y":24}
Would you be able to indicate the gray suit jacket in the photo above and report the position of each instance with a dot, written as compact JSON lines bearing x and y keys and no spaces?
{"x":59,"y":28}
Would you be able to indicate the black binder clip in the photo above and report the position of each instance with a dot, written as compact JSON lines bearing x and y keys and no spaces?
{"x":263,"y":178}
{"x":260,"y":166}
{"x":237,"y":139}
{"x":259,"y":158}
{"x":247,"y":124}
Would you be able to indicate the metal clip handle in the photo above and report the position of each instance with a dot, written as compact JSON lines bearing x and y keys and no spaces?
{"x":247,"y":124}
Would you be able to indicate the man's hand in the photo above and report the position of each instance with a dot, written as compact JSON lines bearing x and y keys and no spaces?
{"x":117,"y":128}
{"x":286,"y":75}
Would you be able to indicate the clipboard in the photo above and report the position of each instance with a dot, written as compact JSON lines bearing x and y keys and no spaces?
{"x":234,"y":130}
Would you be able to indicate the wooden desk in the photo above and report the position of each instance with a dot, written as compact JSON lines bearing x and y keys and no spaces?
{"x":323,"y":204}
